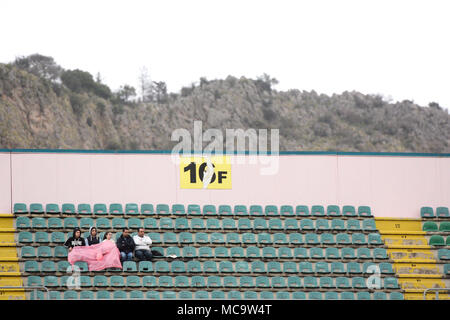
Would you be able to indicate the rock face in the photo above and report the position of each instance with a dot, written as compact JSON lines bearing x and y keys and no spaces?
{"x":37,"y":113}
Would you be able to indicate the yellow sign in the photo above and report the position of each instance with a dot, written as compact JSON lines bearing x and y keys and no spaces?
{"x":197,"y":172}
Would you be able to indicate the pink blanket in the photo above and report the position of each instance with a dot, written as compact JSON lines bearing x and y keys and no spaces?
{"x":98,"y":256}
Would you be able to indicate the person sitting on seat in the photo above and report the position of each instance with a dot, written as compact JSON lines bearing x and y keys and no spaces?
{"x":92,"y":239}
{"x":126,"y":245}
{"x":143,"y":243}
{"x":76,"y":240}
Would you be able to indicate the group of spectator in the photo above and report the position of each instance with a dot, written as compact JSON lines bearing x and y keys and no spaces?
{"x":129,"y":247}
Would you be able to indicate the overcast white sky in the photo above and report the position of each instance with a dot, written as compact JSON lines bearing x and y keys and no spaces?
{"x":399,"y":49}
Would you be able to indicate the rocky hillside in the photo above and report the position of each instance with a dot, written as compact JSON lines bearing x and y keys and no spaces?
{"x":37,"y":111}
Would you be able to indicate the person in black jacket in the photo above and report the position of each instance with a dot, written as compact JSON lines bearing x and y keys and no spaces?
{"x":76,"y":240}
{"x":92,"y":239}
{"x":126,"y":245}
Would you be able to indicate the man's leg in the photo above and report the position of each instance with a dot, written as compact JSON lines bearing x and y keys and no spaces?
{"x":123,"y":256}
{"x":130,"y":256}
{"x":148,"y":255}
{"x":139,"y":255}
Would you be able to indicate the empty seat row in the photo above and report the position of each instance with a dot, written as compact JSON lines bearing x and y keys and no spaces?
{"x":247,"y":238}
{"x":215,"y":294}
{"x":259,"y":266}
{"x":431,"y":226}
{"x":428,"y":212}
{"x":438,"y":240}
{"x":194,"y":209}
{"x":198,"y":224}
{"x":293,"y":282}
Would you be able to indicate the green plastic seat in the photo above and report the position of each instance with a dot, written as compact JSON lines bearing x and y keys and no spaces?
{"x":173,"y":251}
{"x":322,"y":268}
{"x":170,"y":295}
{"x":218,"y":294}
{"x":162,"y":209}
{"x":70,"y":295}
{"x":343,"y":239}
{"x":134,"y":223}
{"x":34,"y":281}
{"x":39,"y":223}
{"x":253,"y":252}
{"x":201,"y":238}
{"x":165,"y":281}
{"x":447,"y":242}
{"x":103,"y":295}
{"x":194,"y":210}
{"x":302,"y":211}
{"x":386,"y":268}
{"x":170,"y":238}
{"x":136,"y":294}
{"x":217,"y":238}
{"x":198,"y":282}
{"x":41,"y":237}
{"x":354,"y":268}
{"x":326,"y":283}
{"x":197,"y":224}
{"x":201,"y":295}
{"x":274,"y":267}
{"x":242,"y":266}
{"x":316,"y":253}
{"x":86,"y":223}
{"x":396,"y":296}
{"x":347,"y":296}
{"x":359,"y":239}
{"x":333,"y":211}
{"x":226,"y":266}
{"x":317,"y":211}
{"x":25,"y":237}
{"x":363,"y":295}
{"x":244,"y":224}
{"x":234,"y":295}
{"x":426,"y":212}
{"x":280,"y":238}
{"x":390,"y":283}
{"x":349,"y":211}
{"x":305,"y":267}
{"x":269,"y":253}
{"x":296,"y":239}
{"x":100,"y":209}
{"x":271,"y":211}
{"x":156,"y":237}
{"x":298,"y":295}
{"x":23,"y":223}
{"x":364,"y":211}
{"x":147,"y":209}
{"x":100,"y":281}
{"x":31,"y":266}
{"x":82,"y":266}
{"x":364,"y":253}
{"x":327,"y":239}
{"x":250,"y":295}
{"x":162,"y":266}
{"x":60,"y":252}
{"x":36,"y":208}
{"x":446,"y":269}
{"x":178,"y":210}
{"x":258,"y":267}
{"x":83,"y":209}
{"x":209,"y":210}
{"x":307,"y":225}
{"x":246,"y":282}
{"x":278,"y":282}
{"x":52,"y":208}
{"x":62,"y":266}
{"x":331,"y":295}
{"x":263,"y":238}
{"x":260,"y":224}
{"x":149,"y":282}
{"x":150,"y":223}
{"x":348,"y":253}
{"x":213,"y":224}
{"x":338,"y":268}
{"x":118,"y":223}
{"x":129,"y":266}
{"x":310,"y":282}
{"x":276,"y":224}
{"x":166,"y":224}
{"x":181,"y":224}
{"x":332,"y":253}
{"x":343,"y":283}
{"x":301,"y":253}
{"x":229,"y":224}
{"x":287,"y":211}
{"x":233,"y":238}
{"x":131,"y":209}
{"x":186,"y":238}
{"x":294,"y":282}
{"x":322,"y":225}
{"x":289,"y":266}
{"x":353,"y":224}
{"x":256,"y":210}
{"x":338,"y":225}
{"x":369,"y":225}
{"x":379,"y":295}
{"x":178,"y":267}
{"x":20,"y":208}
{"x":225,"y":210}
{"x":103,"y":223}
{"x":291,"y":224}
{"x":312,"y":238}
{"x":48,"y":266}
{"x":444,"y":226}
{"x":240,"y":210}
{"x":237,"y":252}
{"x":115,"y":209}
{"x":184,"y":294}
{"x":442,"y":212}
{"x":120,"y":294}
{"x":133,"y":281}
{"x":267,"y":295}
{"x":359,"y":283}
{"x":374,"y":239}
{"x":430,"y":226}
{"x":230,"y":282}
{"x":85,"y":282}
{"x":380,"y":253}
{"x":262,"y":282}
{"x":444,"y":254}
{"x":214,"y":282}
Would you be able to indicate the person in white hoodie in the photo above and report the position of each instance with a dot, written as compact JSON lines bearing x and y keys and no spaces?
{"x":143,"y":243}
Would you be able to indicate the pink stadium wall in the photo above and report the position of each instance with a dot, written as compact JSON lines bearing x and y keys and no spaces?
{"x":394,"y":186}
